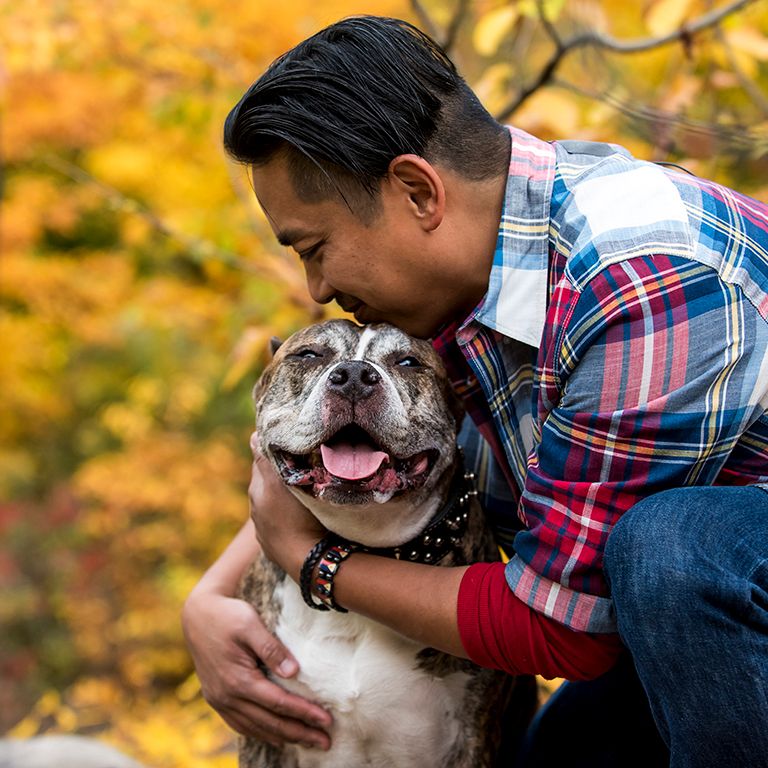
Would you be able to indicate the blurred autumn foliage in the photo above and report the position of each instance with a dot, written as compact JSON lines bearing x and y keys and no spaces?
{"x":139,"y":285}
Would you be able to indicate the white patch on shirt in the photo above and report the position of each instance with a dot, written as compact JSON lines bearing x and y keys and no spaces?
{"x":522,"y":305}
{"x":643,"y":198}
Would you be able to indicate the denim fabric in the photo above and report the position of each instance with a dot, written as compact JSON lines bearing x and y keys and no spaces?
{"x":688,"y":571}
{"x":603,"y":723}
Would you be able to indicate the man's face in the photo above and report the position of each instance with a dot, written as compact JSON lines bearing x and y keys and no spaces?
{"x":391,"y":270}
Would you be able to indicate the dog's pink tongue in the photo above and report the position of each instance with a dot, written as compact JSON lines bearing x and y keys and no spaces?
{"x":351,"y":462}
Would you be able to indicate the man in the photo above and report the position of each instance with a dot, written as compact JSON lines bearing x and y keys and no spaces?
{"x":605,"y":322}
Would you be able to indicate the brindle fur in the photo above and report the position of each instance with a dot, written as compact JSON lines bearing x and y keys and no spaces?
{"x":487,"y":692}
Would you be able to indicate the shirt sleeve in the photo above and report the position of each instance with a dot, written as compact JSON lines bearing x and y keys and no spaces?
{"x":499,"y":631}
{"x":648,"y":378}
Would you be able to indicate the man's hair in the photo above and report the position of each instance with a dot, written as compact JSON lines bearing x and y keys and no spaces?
{"x":346,"y":101}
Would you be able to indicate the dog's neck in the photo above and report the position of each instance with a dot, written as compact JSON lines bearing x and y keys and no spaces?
{"x":445,"y":530}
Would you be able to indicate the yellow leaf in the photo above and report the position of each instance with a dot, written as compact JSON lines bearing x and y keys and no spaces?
{"x":665,"y":16}
{"x":250,"y":351}
{"x":534,"y":8}
{"x":123,"y":164}
{"x":26,"y":728}
{"x":750,"y":41}
{"x":551,"y":114}
{"x":493,"y":87}
{"x":492,"y":27}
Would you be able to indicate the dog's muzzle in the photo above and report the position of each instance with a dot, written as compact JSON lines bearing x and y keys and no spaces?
{"x":352,"y":461}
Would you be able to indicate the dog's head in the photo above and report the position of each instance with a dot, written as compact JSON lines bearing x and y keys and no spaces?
{"x":360,"y":423}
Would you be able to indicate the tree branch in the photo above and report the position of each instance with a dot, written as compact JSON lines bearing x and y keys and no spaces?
{"x":647,"y":43}
{"x":749,"y":85}
{"x":447,"y":39}
{"x":425,"y":20}
{"x":733,"y":138}
{"x":608,"y":43}
{"x":453,"y":28}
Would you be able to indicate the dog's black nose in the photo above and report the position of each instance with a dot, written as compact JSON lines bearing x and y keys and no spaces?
{"x":354,"y":380}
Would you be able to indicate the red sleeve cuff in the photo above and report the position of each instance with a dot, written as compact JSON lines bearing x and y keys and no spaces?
{"x":498,"y":630}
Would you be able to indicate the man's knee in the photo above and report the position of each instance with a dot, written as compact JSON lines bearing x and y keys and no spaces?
{"x":682,"y":551}
{"x":650,"y":558}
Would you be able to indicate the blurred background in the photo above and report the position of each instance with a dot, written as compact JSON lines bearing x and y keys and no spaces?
{"x":139,"y":285}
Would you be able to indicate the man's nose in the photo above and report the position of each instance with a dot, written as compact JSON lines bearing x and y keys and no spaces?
{"x":319,"y":289}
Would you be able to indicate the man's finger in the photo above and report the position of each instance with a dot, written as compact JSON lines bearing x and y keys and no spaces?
{"x":275,"y":655}
{"x":266,"y":647}
{"x":263,"y":693}
{"x":263,"y":724}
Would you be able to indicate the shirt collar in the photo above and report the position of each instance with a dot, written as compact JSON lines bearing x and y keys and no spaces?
{"x":516,"y":301}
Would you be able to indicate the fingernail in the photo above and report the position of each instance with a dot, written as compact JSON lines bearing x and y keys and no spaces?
{"x":287,"y":668}
{"x":309,"y":744}
{"x":319,"y":744}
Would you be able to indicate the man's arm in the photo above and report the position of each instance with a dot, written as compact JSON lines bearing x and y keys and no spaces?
{"x":227,"y":639}
{"x":426,"y":603}
{"x":223,"y":577}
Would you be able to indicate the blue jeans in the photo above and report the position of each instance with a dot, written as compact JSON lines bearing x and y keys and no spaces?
{"x":688,"y":571}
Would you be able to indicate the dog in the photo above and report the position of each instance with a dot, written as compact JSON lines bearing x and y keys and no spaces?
{"x":360,"y":423}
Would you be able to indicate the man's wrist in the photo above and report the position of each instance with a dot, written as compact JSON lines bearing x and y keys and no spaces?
{"x":296,"y":554}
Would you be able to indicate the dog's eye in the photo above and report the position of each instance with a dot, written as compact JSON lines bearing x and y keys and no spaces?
{"x":306,"y":354}
{"x":409,"y":362}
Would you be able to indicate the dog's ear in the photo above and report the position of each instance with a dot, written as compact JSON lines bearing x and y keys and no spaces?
{"x":261,"y":386}
{"x":263,"y":381}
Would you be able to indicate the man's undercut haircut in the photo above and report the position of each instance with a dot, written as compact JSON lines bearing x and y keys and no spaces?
{"x":346,"y":101}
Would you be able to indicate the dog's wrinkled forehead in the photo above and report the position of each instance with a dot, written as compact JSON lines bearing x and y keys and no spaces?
{"x":346,"y":341}
{"x":312,"y":352}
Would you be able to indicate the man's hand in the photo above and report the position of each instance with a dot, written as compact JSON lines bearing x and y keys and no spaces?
{"x":226,"y":637}
{"x":285,"y":529}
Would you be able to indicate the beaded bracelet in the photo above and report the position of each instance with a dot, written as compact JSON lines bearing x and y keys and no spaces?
{"x":307,"y":570}
{"x":330,"y":563}
{"x":329,"y":552}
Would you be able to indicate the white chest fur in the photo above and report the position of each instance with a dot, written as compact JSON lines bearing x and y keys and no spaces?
{"x":387,"y":712}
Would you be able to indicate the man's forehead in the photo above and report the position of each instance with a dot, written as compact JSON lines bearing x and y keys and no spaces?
{"x":291,"y":219}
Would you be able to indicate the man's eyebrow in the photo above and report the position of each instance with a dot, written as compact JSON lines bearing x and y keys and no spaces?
{"x":288,"y":237}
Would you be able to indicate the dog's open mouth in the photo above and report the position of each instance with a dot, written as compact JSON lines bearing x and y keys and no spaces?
{"x":353,"y":461}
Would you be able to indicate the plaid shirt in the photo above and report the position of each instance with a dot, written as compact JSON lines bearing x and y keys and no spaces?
{"x":621,"y":349}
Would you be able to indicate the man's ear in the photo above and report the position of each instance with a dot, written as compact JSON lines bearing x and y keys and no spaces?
{"x":274,"y":345}
{"x":421,"y":186}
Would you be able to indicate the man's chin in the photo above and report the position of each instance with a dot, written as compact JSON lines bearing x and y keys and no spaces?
{"x":418,"y":329}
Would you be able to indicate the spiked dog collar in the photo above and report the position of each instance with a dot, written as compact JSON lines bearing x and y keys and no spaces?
{"x":442,"y":536}
{"x":445,"y":531}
